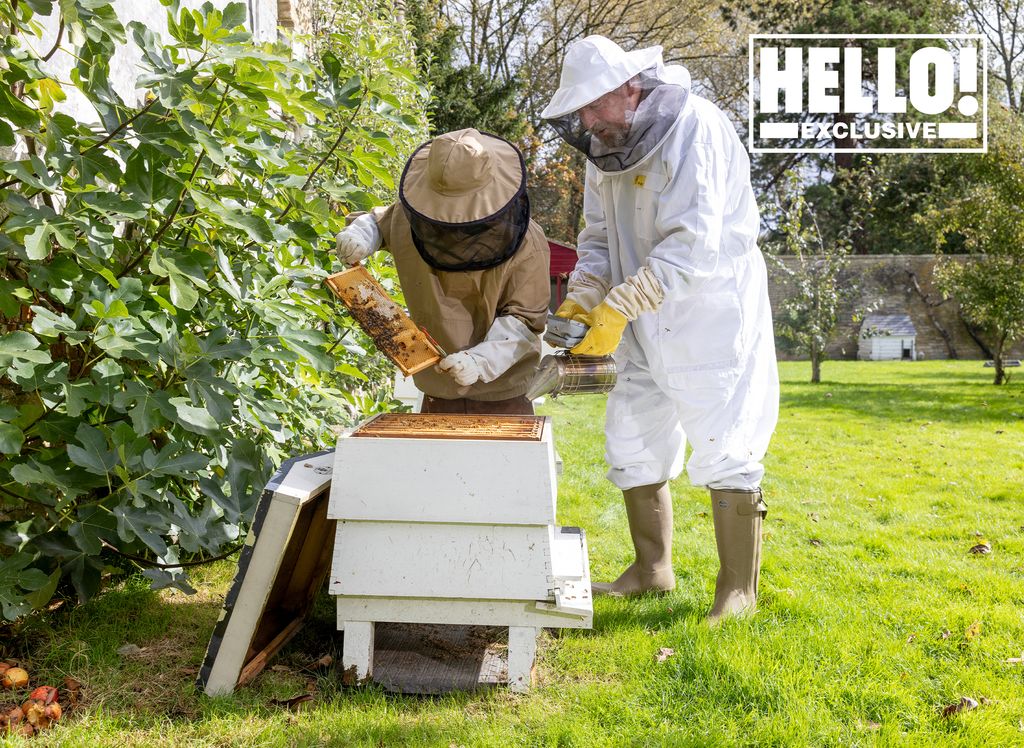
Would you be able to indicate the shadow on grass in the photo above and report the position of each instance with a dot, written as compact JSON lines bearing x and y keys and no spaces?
{"x":653,"y":612}
{"x":970,"y":403}
{"x":152,"y":683}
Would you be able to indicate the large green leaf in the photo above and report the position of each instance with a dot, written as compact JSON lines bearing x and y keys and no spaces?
{"x":11,"y":439}
{"x":52,"y":325}
{"x":171,"y":460}
{"x":95,"y":524}
{"x":37,"y":243}
{"x":15,"y":581}
{"x":15,"y":111}
{"x":195,"y":419}
{"x":148,"y":182}
{"x":21,"y":346}
{"x":43,"y":474}
{"x":146,"y":525}
{"x":311,"y":345}
{"x":94,"y":454}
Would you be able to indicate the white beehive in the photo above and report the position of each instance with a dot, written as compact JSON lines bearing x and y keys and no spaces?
{"x":451,"y":519}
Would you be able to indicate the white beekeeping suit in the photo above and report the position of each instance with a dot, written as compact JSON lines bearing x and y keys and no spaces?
{"x":668,"y":261}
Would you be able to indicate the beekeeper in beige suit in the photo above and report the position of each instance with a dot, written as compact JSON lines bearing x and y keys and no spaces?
{"x":472,"y":265}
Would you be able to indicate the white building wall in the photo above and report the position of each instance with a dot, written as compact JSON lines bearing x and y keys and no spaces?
{"x":885,"y":348}
{"x":124,"y":66}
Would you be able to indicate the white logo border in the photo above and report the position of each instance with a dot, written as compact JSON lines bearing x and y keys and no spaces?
{"x":750,"y":93}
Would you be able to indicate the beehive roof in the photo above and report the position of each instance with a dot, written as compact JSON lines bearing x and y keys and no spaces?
{"x":894,"y":325}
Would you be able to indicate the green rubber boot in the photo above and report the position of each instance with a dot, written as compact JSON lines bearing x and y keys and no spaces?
{"x":738,"y":515}
{"x":649,"y":510}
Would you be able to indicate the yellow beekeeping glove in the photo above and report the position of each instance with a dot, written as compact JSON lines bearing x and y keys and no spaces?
{"x":606,"y":327}
{"x":571,"y":310}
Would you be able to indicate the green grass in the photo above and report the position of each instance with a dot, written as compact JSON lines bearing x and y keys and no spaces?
{"x":894,"y":470}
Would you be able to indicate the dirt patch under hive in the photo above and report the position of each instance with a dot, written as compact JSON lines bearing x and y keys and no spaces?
{"x":415,"y":658}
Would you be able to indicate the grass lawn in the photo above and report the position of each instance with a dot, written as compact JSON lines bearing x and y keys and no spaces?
{"x":874,"y":614}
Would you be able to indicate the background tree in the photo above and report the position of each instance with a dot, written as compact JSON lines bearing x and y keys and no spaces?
{"x":165,"y":339}
{"x":1002,"y":23}
{"x":472,"y":78}
{"x":988,"y":215}
{"x":812,"y":266}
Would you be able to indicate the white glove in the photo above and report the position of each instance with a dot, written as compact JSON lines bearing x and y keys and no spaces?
{"x":586,"y":289}
{"x":637,"y":294}
{"x":462,"y":367}
{"x":359,"y":240}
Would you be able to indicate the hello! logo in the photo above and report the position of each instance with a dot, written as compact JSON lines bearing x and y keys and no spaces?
{"x":867,"y":93}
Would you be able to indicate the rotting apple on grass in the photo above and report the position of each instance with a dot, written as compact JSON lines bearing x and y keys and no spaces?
{"x":14,"y":677}
{"x":41,"y":709}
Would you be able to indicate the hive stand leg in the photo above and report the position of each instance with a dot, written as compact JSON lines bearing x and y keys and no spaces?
{"x":522,"y":648}
{"x":357,"y":654}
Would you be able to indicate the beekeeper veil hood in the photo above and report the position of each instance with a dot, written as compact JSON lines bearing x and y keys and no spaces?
{"x":464,"y":193}
{"x":615,"y":106}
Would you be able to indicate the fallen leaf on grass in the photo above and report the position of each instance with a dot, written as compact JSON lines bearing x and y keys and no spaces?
{"x":910,"y":639}
{"x":295,"y":703}
{"x":981,"y":548}
{"x":973,"y":630}
{"x":324,"y":661}
{"x":1016,"y":660}
{"x":869,"y":725}
{"x":664,"y":653}
{"x":946,"y":633}
{"x":813,"y":516}
{"x":73,"y":689}
{"x":815,"y":542}
{"x":965,"y":704}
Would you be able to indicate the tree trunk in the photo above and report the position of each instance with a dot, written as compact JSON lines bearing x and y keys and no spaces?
{"x":997,"y":359}
{"x":815,"y":366}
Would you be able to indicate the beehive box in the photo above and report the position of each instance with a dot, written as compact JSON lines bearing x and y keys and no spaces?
{"x":450,"y":519}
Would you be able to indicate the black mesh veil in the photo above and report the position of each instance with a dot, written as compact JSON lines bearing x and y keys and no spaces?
{"x":477,"y":245}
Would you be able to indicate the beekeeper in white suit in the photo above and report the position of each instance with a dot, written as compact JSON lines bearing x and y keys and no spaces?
{"x":670,"y":279}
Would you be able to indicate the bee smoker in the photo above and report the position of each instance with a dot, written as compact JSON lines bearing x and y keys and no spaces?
{"x":565,"y":373}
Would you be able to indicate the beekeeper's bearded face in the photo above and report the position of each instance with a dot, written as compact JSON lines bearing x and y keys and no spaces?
{"x":609,"y":117}
{"x":615,"y":106}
